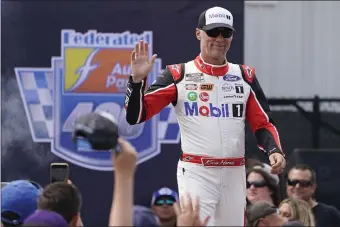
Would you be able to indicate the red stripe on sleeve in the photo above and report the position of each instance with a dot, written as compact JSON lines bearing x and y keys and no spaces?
{"x":259,"y":119}
{"x":156,"y":100}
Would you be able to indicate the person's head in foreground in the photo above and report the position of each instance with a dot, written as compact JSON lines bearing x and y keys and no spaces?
{"x":262,"y":186}
{"x":293,"y":224}
{"x":162,"y":204}
{"x":264,"y":214}
{"x":215,"y":33}
{"x":62,"y":198}
{"x":301,"y":182}
{"x":45,"y":218}
{"x":297,"y":210}
{"x":143,"y":216}
{"x":19,"y":199}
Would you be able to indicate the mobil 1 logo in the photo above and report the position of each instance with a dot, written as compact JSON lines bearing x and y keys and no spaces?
{"x":238,"y":109}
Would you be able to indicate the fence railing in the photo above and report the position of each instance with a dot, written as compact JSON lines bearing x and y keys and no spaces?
{"x":314,"y":117}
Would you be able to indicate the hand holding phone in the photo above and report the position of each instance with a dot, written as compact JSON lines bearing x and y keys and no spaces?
{"x":59,"y":172}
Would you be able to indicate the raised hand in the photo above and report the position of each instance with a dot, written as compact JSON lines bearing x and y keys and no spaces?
{"x":188,"y":214}
{"x":125,"y":160}
{"x":141,"y":65}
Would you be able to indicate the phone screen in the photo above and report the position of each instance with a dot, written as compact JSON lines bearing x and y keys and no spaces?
{"x":59,"y":172}
{"x":83,"y":145}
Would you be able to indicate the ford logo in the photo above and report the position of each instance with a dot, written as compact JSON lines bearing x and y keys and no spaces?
{"x":231,"y":78}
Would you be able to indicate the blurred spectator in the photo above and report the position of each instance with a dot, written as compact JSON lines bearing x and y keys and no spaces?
{"x":297,"y":210}
{"x":64,"y":199}
{"x":18,"y":201}
{"x":162,"y":204}
{"x":301,"y":184}
{"x":143,"y":216}
{"x":262,"y":186}
{"x":45,"y":218}
{"x":263,"y":213}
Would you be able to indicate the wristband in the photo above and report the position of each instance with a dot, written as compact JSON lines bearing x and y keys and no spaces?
{"x":276,"y":150}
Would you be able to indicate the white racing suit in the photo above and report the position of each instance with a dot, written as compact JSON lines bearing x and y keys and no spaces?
{"x":212,"y":104}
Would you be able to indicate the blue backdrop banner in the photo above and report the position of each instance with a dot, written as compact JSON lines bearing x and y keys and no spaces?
{"x":63,"y":58}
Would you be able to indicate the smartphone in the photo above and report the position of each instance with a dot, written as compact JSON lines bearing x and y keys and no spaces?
{"x":83,"y":145}
{"x":59,"y":172}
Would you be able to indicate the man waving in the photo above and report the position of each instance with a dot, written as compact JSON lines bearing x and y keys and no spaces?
{"x":212,"y":99}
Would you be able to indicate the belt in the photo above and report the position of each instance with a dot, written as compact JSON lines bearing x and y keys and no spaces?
{"x":210,"y":161}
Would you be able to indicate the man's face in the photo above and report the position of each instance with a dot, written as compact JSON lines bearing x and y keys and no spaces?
{"x":163,"y":207}
{"x":299,"y":184}
{"x":213,"y":44}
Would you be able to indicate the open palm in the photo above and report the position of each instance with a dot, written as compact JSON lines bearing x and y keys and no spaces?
{"x":188,"y":214}
{"x":141,"y":66}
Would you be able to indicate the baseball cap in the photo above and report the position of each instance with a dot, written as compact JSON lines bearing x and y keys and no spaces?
{"x":19,"y":197}
{"x":259,"y":210}
{"x":143,"y":216}
{"x":215,"y":17}
{"x":164,"y":192}
{"x":45,"y":218}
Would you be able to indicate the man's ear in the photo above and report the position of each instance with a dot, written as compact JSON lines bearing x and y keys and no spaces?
{"x":314,"y":187}
{"x":153,"y":208}
{"x":271,"y":192}
{"x":198,"y":34}
{"x":76,"y":221}
{"x":264,"y":222}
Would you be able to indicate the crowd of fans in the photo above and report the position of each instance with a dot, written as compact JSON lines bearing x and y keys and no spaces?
{"x":25,"y":203}
{"x":265,"y":206}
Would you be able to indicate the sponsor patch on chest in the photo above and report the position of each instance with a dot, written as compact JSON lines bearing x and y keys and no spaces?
{"x":194,"y":77}
{"x":206,"y":87}
{"x":191,"y":86}
{"x":232,"y":88}
{"x":231,"y":78}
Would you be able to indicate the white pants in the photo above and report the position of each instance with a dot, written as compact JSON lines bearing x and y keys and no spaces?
{"x":221,"y":190}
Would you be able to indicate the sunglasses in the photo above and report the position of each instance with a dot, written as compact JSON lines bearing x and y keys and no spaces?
{"x":226,"y":33}
{"x":161,"y":202}
{"x":302,"y":183}
{"x":256,"y":184}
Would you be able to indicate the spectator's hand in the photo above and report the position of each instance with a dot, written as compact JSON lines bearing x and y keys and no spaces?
{"x":125,"y":160}
{"x":189,"y":214}
{"x":141,"y":66}
{"x":278,"y":163}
